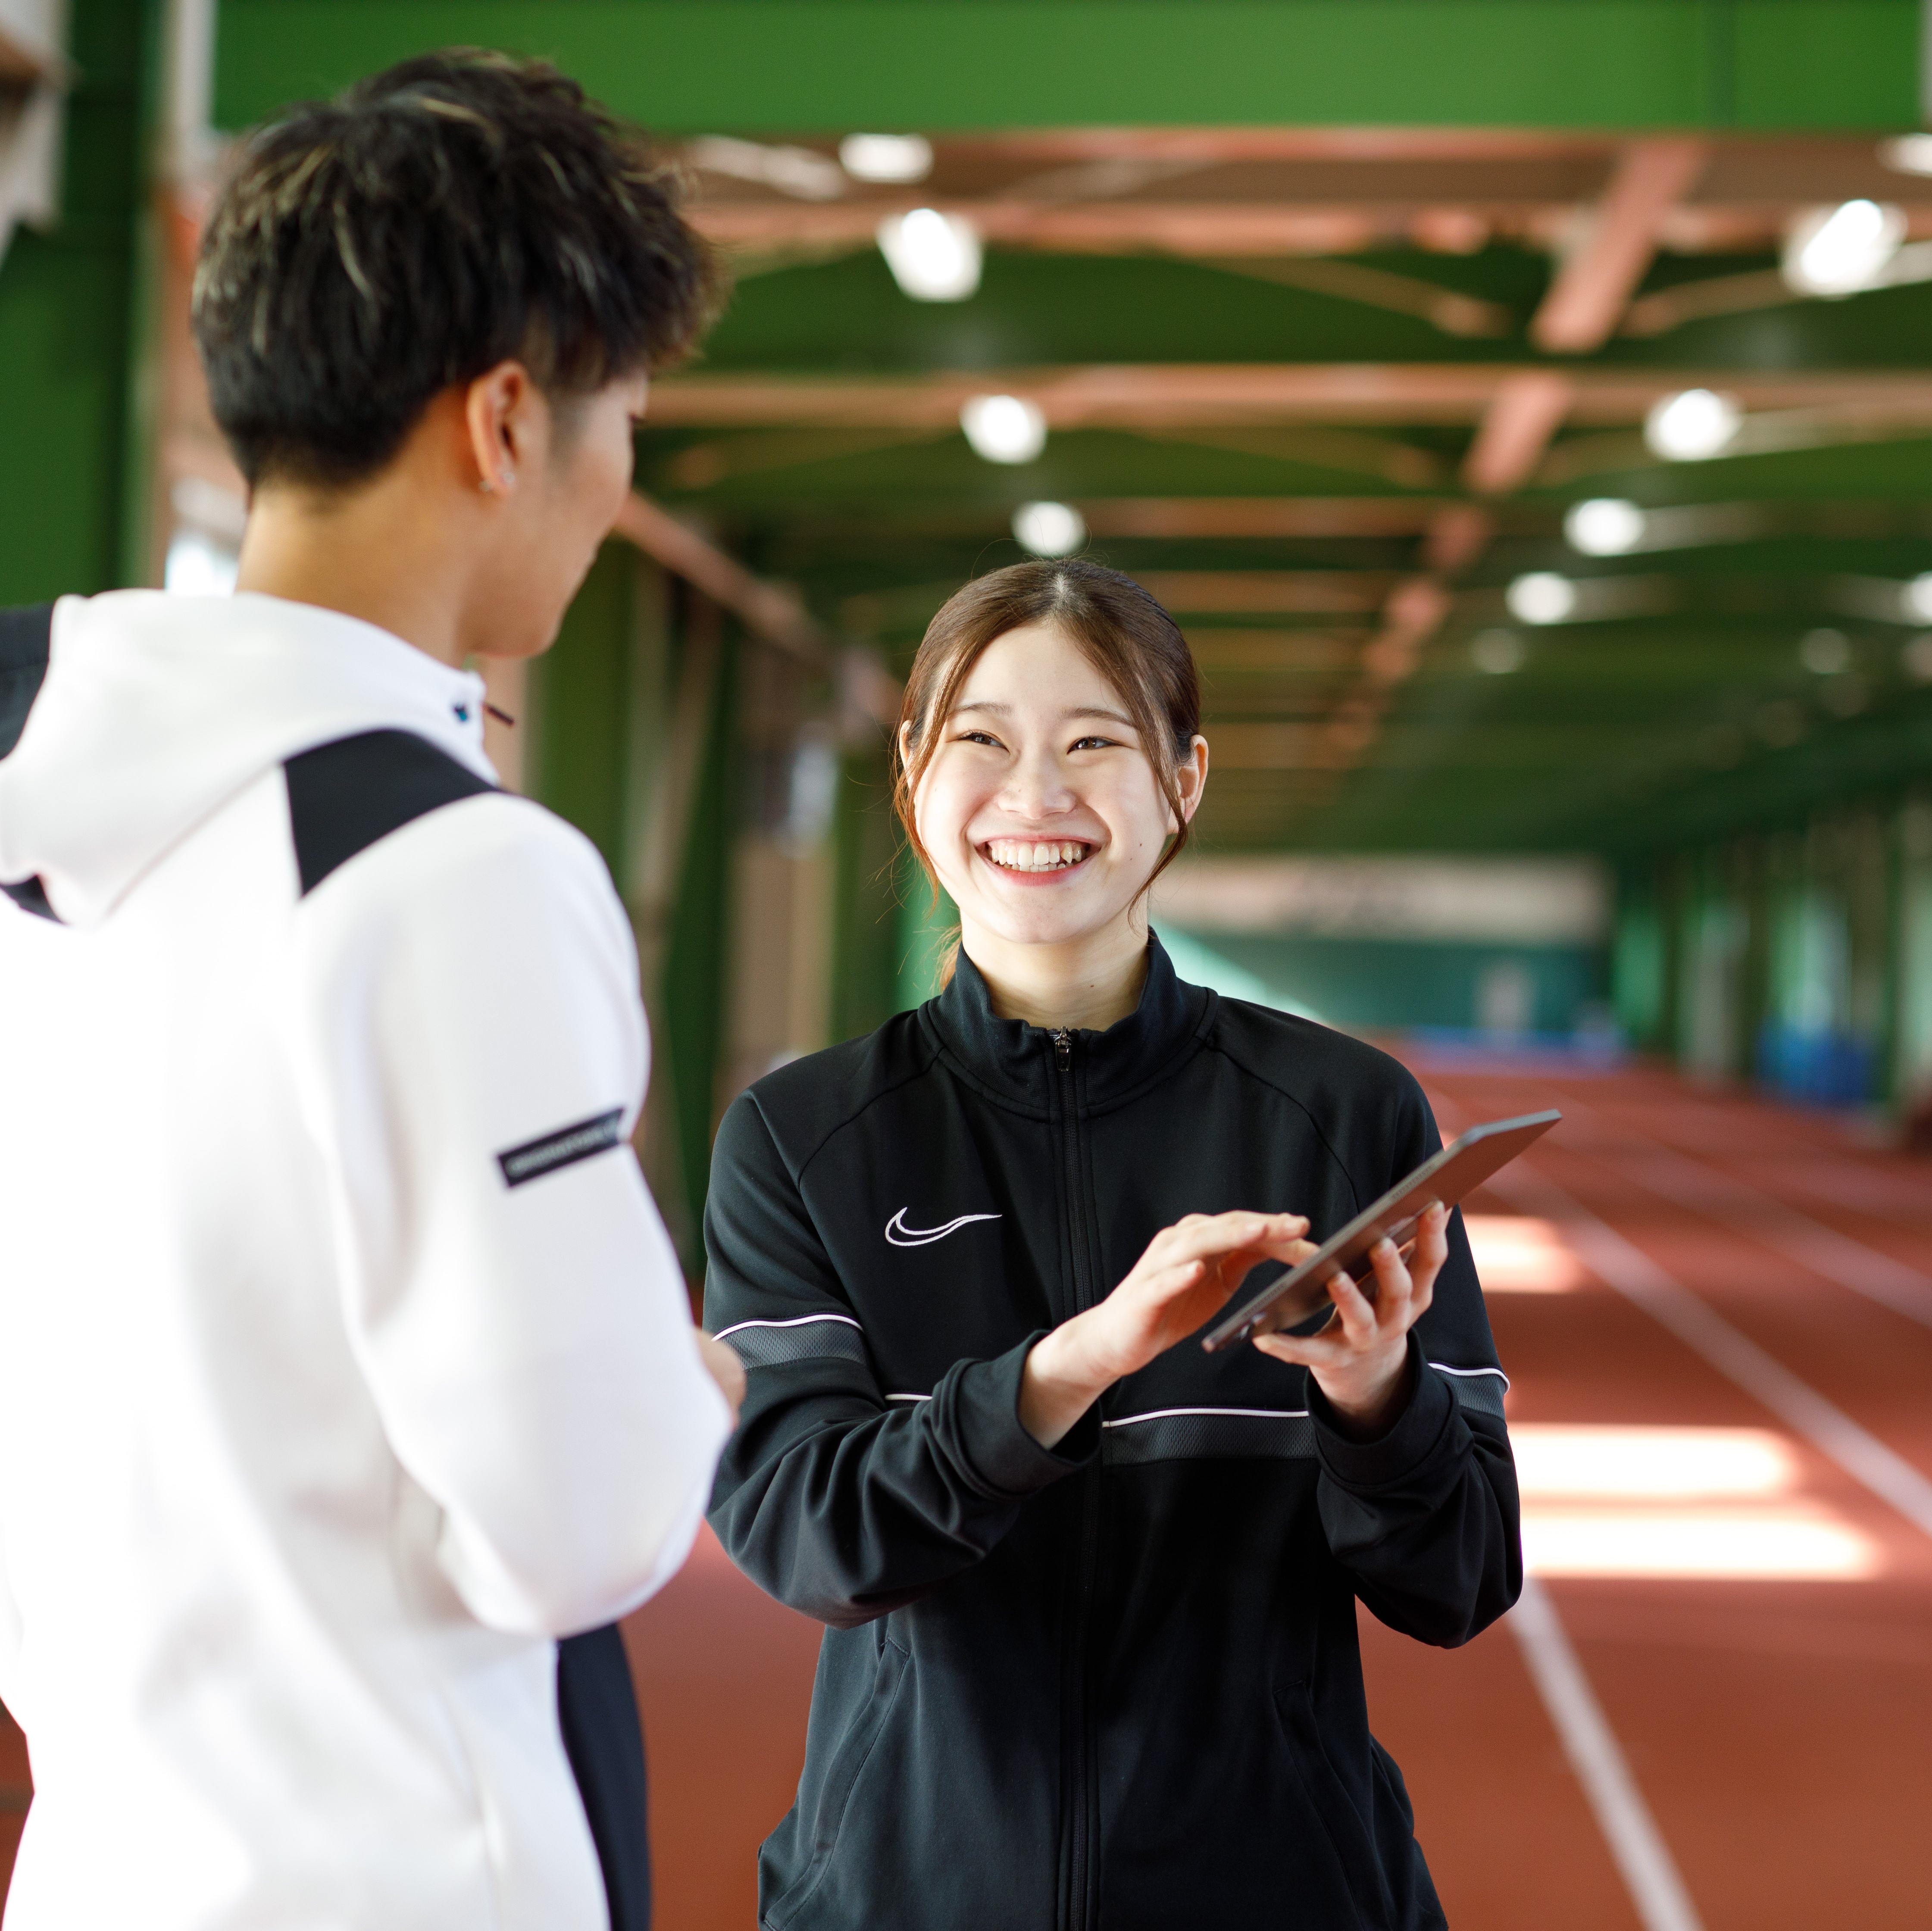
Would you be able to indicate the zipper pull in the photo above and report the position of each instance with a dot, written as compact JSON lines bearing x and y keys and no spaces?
{"x":1063,"y":1049}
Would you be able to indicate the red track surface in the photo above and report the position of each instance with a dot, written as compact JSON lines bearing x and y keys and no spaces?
{"x":1776,"y":1729}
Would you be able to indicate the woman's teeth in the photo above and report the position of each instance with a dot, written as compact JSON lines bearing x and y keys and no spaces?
{"x":1024,"y":855}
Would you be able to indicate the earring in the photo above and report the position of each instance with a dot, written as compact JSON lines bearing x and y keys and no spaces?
{"x":485,"y":485}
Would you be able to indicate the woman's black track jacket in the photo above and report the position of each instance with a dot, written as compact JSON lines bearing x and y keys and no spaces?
{"x":1114,"y":1687}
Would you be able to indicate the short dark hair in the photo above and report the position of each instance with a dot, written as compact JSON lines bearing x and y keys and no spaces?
{"x":463,"y":207}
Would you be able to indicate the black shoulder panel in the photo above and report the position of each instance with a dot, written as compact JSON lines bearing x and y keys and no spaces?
{"x":344,"y":797}
{"x":25,"y":636}
{"x":597,"y":1710}
{"x":31,"y":895}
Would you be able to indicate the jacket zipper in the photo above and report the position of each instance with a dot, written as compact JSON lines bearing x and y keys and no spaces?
{"x":1084,"y":1886}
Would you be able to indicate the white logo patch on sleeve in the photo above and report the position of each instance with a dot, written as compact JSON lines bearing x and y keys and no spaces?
{"x":900,"y":1235}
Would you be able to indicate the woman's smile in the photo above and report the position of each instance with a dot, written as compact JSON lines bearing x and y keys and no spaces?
{"x":1037,"y":861}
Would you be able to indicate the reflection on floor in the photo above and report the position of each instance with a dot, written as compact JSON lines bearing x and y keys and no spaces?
{"x":1716,"y":1315}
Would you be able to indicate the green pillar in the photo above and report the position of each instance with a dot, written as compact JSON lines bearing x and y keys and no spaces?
{"x":865,"y":948}
{"x":697,"y":957}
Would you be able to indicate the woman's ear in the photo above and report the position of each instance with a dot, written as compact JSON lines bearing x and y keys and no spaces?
{"x":1190,"y":779}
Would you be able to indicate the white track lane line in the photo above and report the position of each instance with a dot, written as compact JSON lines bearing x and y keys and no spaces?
{"x":1763,"y":1218}
{"x":1634,"y":1275}
{"x":1650,"y":1872}
{"x":1636,"y":1845}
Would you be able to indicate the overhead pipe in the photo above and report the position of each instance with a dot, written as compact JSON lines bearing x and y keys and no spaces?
{"x":771,"y":612}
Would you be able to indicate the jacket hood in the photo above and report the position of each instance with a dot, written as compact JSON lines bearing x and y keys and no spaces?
{"x":1016,"y":1061}
{"x":156,"y":709}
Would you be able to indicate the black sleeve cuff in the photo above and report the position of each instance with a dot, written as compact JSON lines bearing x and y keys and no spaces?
{"x":999,"y":1455}
{"x":1404,"y":1446}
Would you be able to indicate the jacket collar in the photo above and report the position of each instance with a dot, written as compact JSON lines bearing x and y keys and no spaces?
{"x":1016,"y":1061}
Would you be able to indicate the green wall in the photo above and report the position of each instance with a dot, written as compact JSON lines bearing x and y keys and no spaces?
{"x":797,"y":65}
{"x":1377,"y":984}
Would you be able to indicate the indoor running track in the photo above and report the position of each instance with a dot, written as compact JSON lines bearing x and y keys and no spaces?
{"x":1714,"y":1709}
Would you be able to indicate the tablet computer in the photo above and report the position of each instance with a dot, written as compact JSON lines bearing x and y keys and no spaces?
{"x":1462,"y":1166}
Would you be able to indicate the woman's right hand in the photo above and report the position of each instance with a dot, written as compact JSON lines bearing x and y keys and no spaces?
{"x":1186,"y":1276}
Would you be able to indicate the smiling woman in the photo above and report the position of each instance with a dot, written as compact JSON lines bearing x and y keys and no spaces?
{"x":1050,"y":764}
{"x":1092,"y":1650}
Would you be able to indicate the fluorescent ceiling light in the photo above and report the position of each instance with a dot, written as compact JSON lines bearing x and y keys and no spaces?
{"x":1910,"y":154}
{"x":889,"y":158}
{"x":1837,"y":251}
{"x":1692,"y":425}
{"x":1604,"y":527}
{"x":934,"y":257}
{"x":1049,"y":529}
{"x":1004,"y":429}
{"x":1916,"y":597}
{"x":1540,"y":597}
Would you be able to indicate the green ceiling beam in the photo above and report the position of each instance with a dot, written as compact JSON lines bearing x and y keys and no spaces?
{"x":805,"y":65}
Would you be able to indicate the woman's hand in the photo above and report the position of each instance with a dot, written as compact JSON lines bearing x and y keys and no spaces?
{"x":1360,"y":1359}
{"x":1187,"y":1272}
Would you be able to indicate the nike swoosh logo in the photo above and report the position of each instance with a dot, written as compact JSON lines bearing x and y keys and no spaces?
{"x":900,"y":1235}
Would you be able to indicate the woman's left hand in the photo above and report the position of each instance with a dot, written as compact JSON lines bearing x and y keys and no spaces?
{"x":1360,"y":1359}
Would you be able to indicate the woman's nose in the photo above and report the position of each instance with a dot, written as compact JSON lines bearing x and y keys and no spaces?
{"x":1038,"y":788}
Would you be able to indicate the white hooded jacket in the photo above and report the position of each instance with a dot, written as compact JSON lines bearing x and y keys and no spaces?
{"x":344,"y":1361}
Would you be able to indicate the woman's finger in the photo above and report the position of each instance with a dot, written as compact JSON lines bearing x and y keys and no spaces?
{"x":1223,"y":1233}
{"x":1163,"y":1284}
{"x":1394,"y":1285}
{"x":1357,"y":1317}
{"x":1432,"y":1248}
{"x":1324,"y":1350}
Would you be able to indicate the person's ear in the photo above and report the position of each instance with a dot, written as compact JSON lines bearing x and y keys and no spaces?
{"x":500,"y":412}
{"x":1190,"y":780}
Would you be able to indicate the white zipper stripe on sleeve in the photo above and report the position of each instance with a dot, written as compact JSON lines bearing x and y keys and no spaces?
{"x":1443,"y":1368}
{"x":1163,"y":1414}
{"x":800,"y":1321}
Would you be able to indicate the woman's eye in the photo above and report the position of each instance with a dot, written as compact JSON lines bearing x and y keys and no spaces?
{"x":978,"y":737}
{"x":1094,"y":744}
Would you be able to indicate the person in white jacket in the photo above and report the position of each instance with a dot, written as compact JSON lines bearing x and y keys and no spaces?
{"x":345,"y":1365}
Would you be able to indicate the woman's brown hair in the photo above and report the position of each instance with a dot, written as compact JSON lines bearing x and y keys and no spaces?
{"x":1116,"y":626}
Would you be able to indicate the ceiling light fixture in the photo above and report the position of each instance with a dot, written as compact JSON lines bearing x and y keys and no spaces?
{"x":1916,"y":598}
{"x":1541,"y":598}
{"x":934,"y":257}
{"x":1604,"y":527}
{"x":1004,"y":429}
{"x":801,"y":172}
{"x":1837,"y":251}
{"x":885,"y":158}
{"x":1692,"y":426}
{"x":1049,"y":529}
